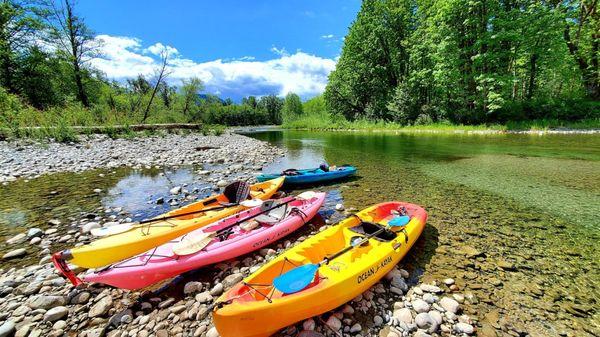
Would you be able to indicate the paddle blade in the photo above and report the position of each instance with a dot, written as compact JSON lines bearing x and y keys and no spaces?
{"x":251,"y":203}
{"x":399,"y":221}
{"x":191,"y":244}
{"x":111,"y":230}
{"x":296,"y":279}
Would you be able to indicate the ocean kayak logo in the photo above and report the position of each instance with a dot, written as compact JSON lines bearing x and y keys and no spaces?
{"x":275,"y":237}
{"x":373,"y":270}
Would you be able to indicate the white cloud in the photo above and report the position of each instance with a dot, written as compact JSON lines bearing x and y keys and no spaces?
{"x":328,"y":36}
{"x":302,"y":73}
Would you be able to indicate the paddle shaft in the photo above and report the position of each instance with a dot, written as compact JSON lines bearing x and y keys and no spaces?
{"x":184,"y":214}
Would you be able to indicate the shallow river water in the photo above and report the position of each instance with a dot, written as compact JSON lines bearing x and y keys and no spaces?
{"x":514,"y":219}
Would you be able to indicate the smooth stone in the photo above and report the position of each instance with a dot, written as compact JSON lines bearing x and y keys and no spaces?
{"x":46,"y":302}
{"x":356,"y":328}
{"x":192,"y":287}
{"x":232,"y":279}
{"x":420,"y":306}
{"x":308,"y":324}
{"x":204,"y":297}
{"x":212,"y":332}
{"x":339,"y":207}
{"x":448,"y":281}
{"x":449,"y":305}
{"x":403,"y":315}
{"x":34,"y":233}
{"x":175,"y":190}
{"x":464,"y":328}
{"x":426,"y":322}
{"x":7,"y":329}
{"x":334,"y":323}
{"x":377,"y":320}
{"x":217,"y":289}
{"x":56,"y":313}
{"x":431,"y":288}
{"x":398,"y":282}
{"x":89,"y":226}
{"x":13,"y":254}
{"x":101,"y":307}
{"x":221,"y":183}
{"x":437,"y":317}
{"x":19,"y":238}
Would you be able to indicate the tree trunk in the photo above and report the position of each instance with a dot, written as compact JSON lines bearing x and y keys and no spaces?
{"x":81,"y":95}
{"x":532,"y":71}
{"x":589,"y":73}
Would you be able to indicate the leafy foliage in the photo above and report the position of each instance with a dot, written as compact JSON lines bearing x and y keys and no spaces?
{"x":468,"y":61}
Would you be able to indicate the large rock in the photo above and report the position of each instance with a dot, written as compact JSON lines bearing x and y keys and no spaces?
{"x":13,"y":254}
{"x":403,"y":315}
{"x":46,"y":302}
{"x":232,"y":279}
{"x":420,"y":306}
{"x":449,"y":305}
{"x":101,"y":307}
{"x":56,"y":313}
{"x":398,"y":282}
{"x":464,"y":328}
{"x":426,"y":322}
{"x":19,"y":238}
{"x":89,"y":226}
{"x":34,"y":233}
{"x":7,"y":329}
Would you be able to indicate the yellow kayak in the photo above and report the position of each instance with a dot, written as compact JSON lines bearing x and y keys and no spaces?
{"x":256,"y":308}
{"x":142,"y":237}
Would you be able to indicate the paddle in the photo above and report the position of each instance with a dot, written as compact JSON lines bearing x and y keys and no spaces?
{"x":191,"y":244}
{"x":300,"y":277}
{"x":124,"y":227}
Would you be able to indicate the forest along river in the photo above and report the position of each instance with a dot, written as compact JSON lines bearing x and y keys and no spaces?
{"x":515,"y":219}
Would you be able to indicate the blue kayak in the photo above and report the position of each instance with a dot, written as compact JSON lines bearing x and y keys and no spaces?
{"x":310,"y":176}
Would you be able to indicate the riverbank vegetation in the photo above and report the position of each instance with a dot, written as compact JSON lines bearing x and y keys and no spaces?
{"x":47,"y":84}
{"x":417,"y":62}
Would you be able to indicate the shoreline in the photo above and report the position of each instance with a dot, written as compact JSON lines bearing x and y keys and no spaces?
{"x":462,"y":131}
{"x":37,"y":301}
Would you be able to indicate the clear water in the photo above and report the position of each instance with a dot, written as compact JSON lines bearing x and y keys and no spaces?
{"x":532,"y":202}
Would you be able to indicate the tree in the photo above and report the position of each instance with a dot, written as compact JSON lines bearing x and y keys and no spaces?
{"x":250,"y":101}
{"x":292,"y":106}
{"x":582,"y":36}
{"x":74,"y":40}
{"x":272,"y":106}
{"x":19,"y":23}
{"x":190,"y":90}
{"x":160,"y":74}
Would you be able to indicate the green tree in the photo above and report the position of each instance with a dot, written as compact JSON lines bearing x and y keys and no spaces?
{"x":74,"y":40}
{"x":292,"y":106}
{"x":190,"y":90}
{"x":271,"y":105}
{"x":19,"y":24}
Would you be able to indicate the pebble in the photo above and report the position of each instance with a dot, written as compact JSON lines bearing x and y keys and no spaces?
{"x":403,"y":315}
{"x":449,"y":304}
{"x":464,"y":328}
{"x":212,"y":332}
{"x":339,"y":207}
{"x":101,"y":307}
{"x":56,"y":313}
{"x":19,"y":238}
{"x":13,"y":254}
{"x":334,"y":323}
{"x":308,"y":324}
{"x":7,"y":328}
{"x":426,"y":322}
{"x":221,"y":183}
{"x":217,"y":289}
{"x":420,"y":306}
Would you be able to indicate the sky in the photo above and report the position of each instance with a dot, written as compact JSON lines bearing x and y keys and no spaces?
{"x":238,"y":48}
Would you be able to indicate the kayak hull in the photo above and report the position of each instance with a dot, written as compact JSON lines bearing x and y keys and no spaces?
{"x":312,"y":176}
{"x":161,"y":263}
{"x":246,"y":313}
{"x":141,"y":238}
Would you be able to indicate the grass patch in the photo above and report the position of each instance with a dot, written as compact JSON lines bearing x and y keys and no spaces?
{"x":325,"y":121}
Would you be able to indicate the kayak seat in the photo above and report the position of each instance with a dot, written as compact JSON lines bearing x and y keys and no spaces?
{"x":367,"y":228}
{"x":237,"y":191}
{"x":275,"y":215}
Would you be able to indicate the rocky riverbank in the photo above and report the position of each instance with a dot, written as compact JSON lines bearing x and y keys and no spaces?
{"x":35,"y":300}
{"x":27,"y":158}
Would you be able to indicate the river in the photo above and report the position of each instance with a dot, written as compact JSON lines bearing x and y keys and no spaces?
{"x":515,"y":219}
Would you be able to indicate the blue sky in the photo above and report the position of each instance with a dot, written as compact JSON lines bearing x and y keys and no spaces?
{"x":236,"y":47}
